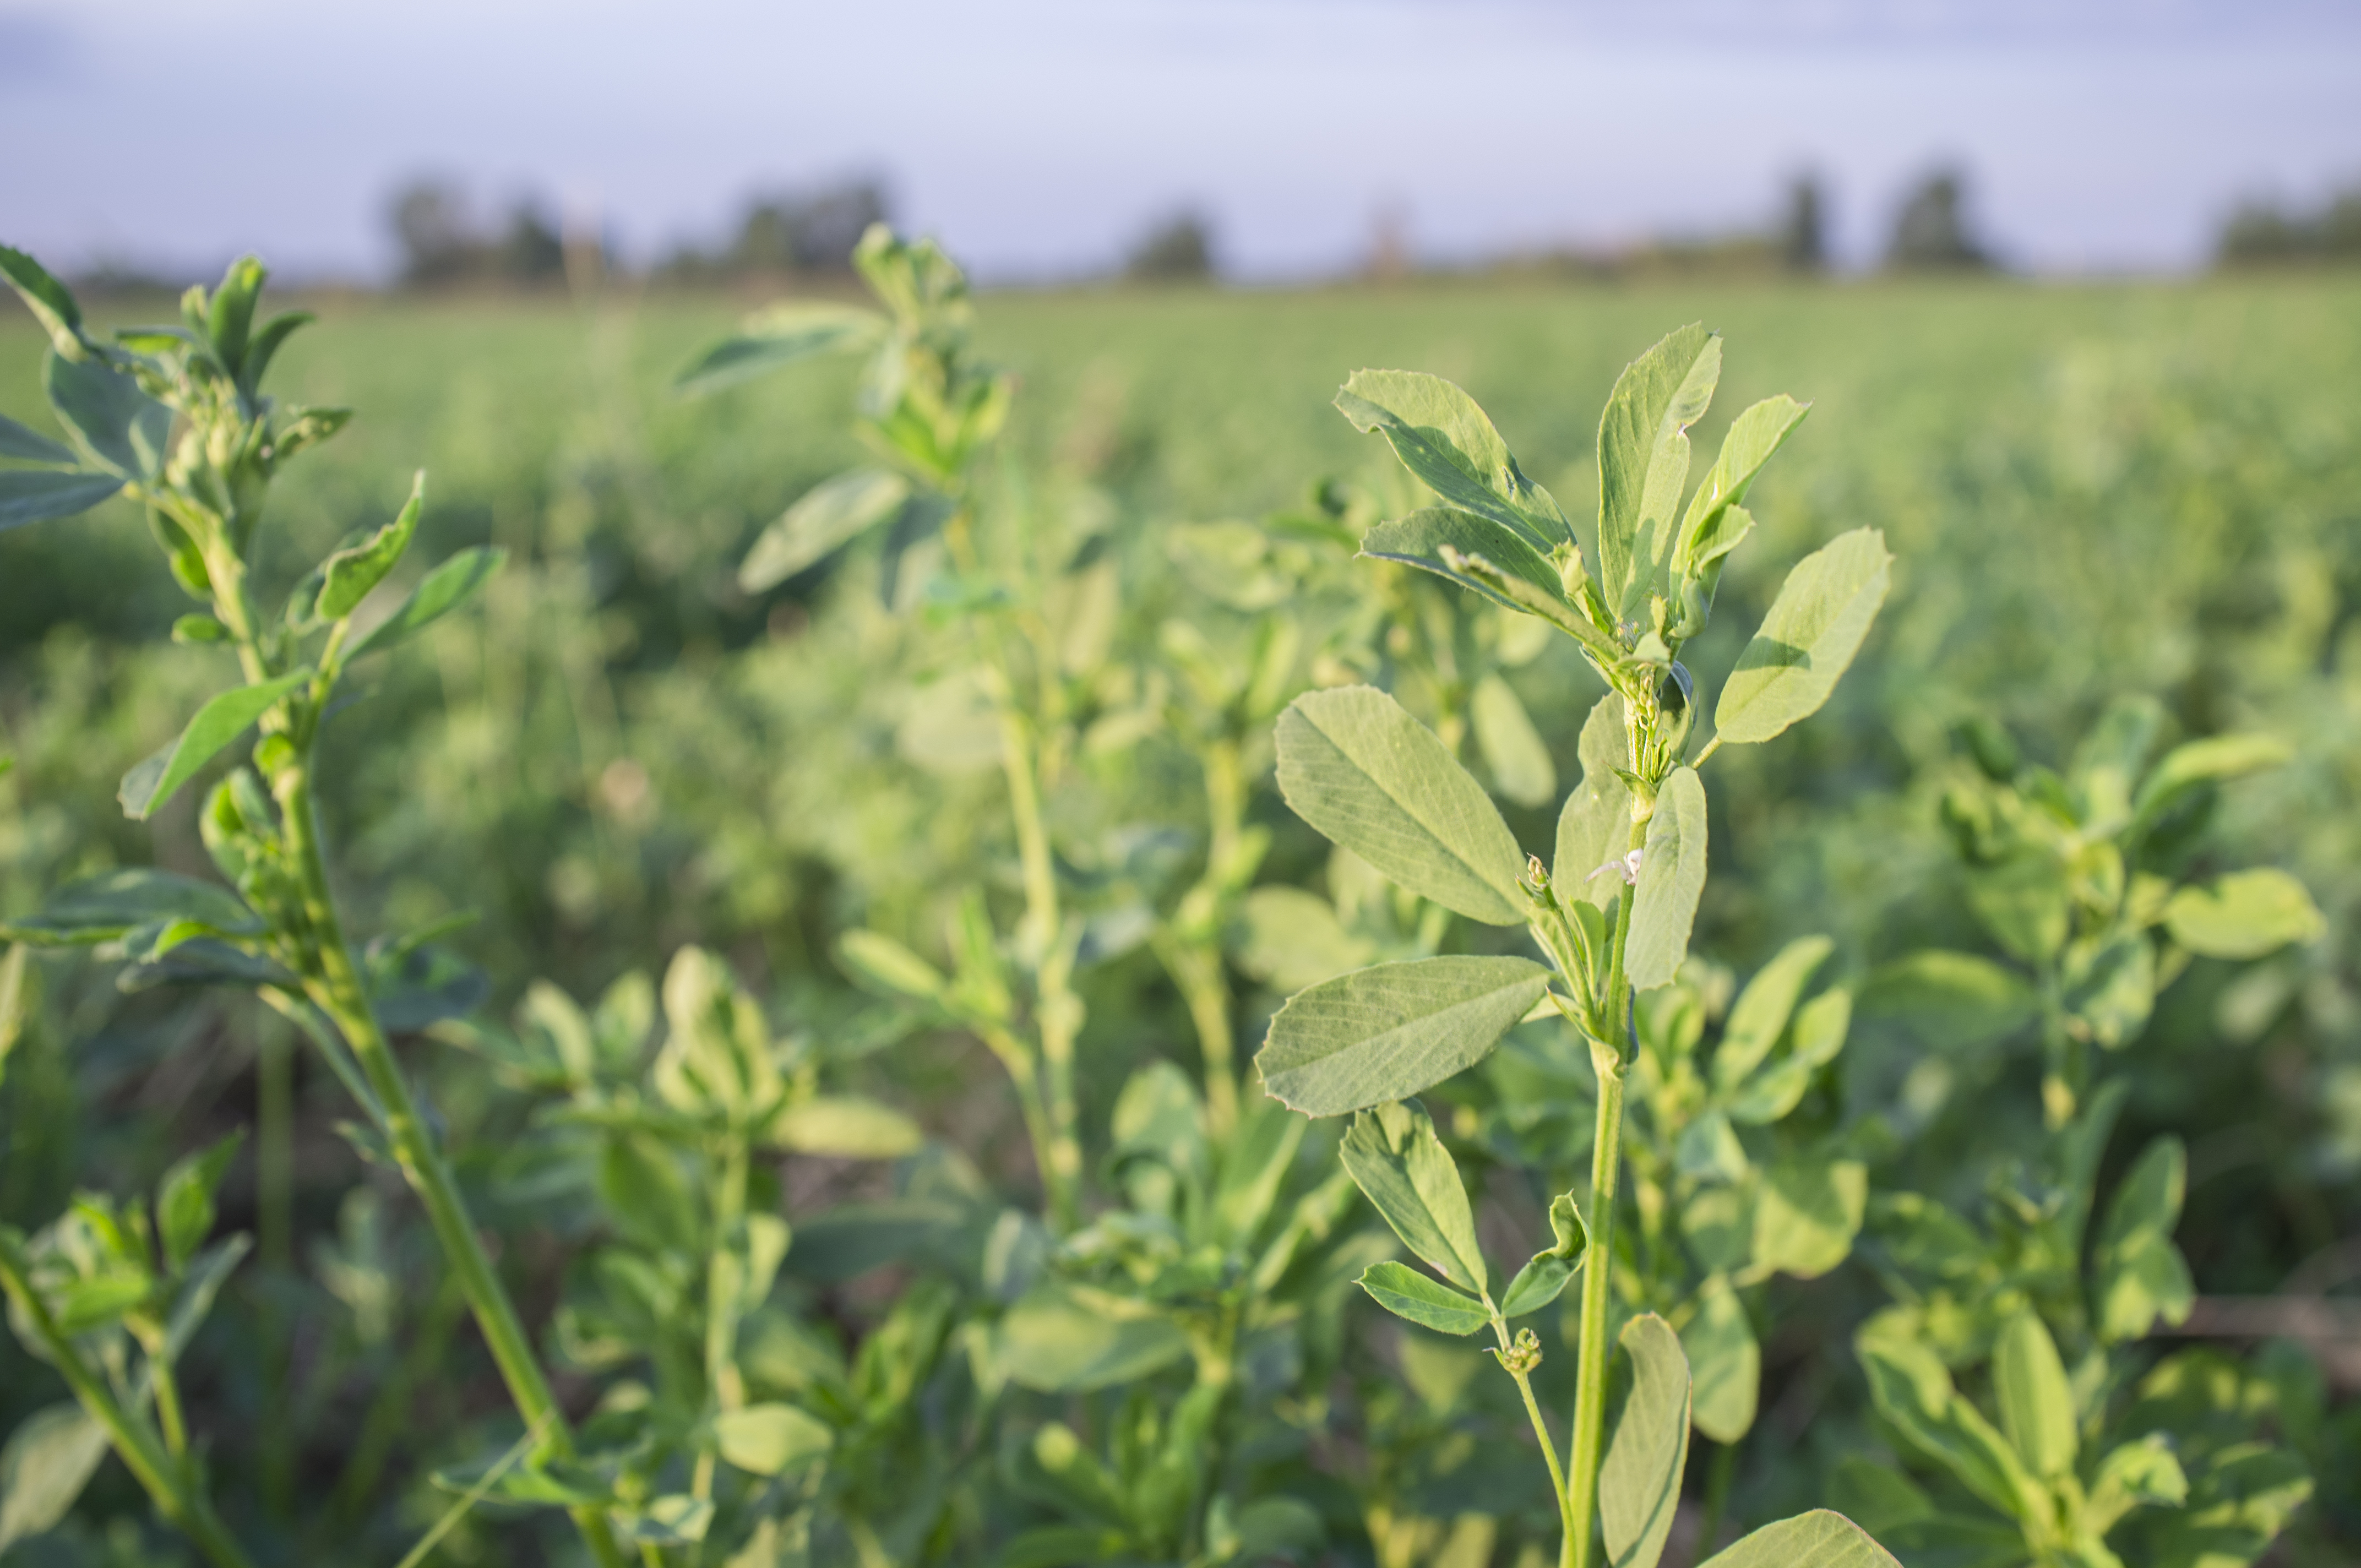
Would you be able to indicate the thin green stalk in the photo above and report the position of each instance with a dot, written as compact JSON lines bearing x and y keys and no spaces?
{"x":468,"y":1500}
{"x":274,"y":1180}
{"x":1718,"y":1475}
{"x":167,"y":1482}
{"x":1523,"y":1374}
{"x":1196,"y":970}
{"x":725,"y":1389}
{"x":168,"y":1404}
{"x":1590,"y":1376}
{"x":339,"y":992}
{"x":1057,"y":1012}
{"x":1060,"y":1014}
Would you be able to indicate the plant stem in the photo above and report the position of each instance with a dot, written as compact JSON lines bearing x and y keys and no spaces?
{"x":168,"y":1403}
{"x":274,"y":1180}
{"x":142,"y":1453}
{"x":1056,"y":1009}
{"x":1719,"y":1475}
{"x":1541,"y":1430}
{"x":1196,"y":969}
{"x":337,"y":988}
{"x":725,"y":1390}
{"x":1590,"y":1376}
{"x":1599,"y":1257}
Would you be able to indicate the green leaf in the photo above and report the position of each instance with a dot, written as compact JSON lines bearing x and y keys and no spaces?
{"x":771,"y":1438}
{"x":50,"y":1458}
{"x":1760,"y":1013}
{"x":1513,"y":750}
{"x":104,"y":907}
{"x":185,"y":1201}
{"x":2036,"y":1404}
{"x":349,"y":575}
{"x":1545,"y":1275}
{"x":1753,"y":436}
{"x":445,"y":589}
{"x":1291,"y":939}
{"x":1420,"y":539}
{"x":1062,"y":1337}
{"x":38,"y":495}
{"x":2139,"y":1275}
{"x":674,"y":1520}
{"x":1818,"y":1035}
{"x":1594,"y":828}
{"x":2244,"y":915}
{"x":1951,"y":1002}
{"x":109,"y":416}
{"x":1406,"y":1293}
{"x":2025,"y":902}
{"x":267,"y":344}
{"x":880,"y":958}
{"x":1394,"y":1157}
{"x":232,"y":318}
{"x":1806,"y":1215}
{"x":302,"y":429}
{"x":1672,"y":877}
{"x":1724,"y":1360}
{"x":16,"y":995}
{"x":1640,"y":1481}
{"x":2190,"y":766}
{"x":51,"y":304}
{"x":846,"y":1127}
{"x":832,"y":513}
{"x":1160,"y":1117}
{"x":1814,"y":626}
{"x":219,"y":722}
{"x":2133,"y":1475}
{"x":1643,"y":462}
{"x":1390,"y":1031}
{"x":1913,"y":1390}
{"x":780,"y":335}
{"x":2112,"y":989}
{"x":31,"y":446}
{"x":642,"y":1187}
{"x":1817,"y":1539}
{"x":1359,"y":768}
{"x":97,"y":1300}
{"x":1445,"y":440}
{"x":208,"y":1271}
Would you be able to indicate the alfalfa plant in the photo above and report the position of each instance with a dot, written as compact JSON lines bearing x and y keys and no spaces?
{"x":174,"y":418}
{"x":1611,"y":913}
{"x":1218,"y":1233}
{"x":2081,"y":877}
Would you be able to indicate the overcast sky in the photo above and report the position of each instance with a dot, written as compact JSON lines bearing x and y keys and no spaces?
{"x":1039,"y":137}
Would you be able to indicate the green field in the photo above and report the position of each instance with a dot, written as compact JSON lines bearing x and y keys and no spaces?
{"x":2093,"y":493}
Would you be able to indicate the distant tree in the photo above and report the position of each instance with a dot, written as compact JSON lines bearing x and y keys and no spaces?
{"x":1931,"y":231}
{"x":1803,"y":225}
{"x":530,"y":249}
{"x":431,"y":223}
{"x":2264,"y":233}
{"x":812,"y":232}
{"x":1175,"y":249}
{"x":826,"y":225}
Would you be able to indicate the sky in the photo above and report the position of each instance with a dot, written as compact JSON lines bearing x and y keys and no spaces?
{"x":1040,"y":137}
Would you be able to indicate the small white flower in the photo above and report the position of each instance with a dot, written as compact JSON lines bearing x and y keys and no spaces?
{"x":1629,"y":865}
